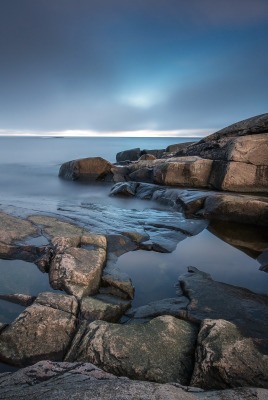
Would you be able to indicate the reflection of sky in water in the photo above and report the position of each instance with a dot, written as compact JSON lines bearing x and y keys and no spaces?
{"x":19,"y":277}
{"x":154,"y":275}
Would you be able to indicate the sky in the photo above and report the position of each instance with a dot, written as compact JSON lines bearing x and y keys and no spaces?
{"x":127,"y":67}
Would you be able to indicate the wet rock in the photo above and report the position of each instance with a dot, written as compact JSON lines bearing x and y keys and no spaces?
{"x":77,"y":271}
{"x":128,"y":155}
{"x":84,"y":381}
{"x":237,"y":208}
{"x":208,"y":299}
{"x":119,"y":244}
{"x":224,"y":358}
{"x":126,"y":189}
{"x":183,"y":171}
{"x":103,"y":307}
{"x":18,"y":298}
{"x":161,"y":350}
{"x":92,"y":169}
{"x":172,"y":306}
{"x":43,"y":331}
{"x":118,"y":280}
{"x":55,"y":227}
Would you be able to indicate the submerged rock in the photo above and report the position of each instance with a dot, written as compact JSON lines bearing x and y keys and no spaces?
{"x":161,"y":350}
{"x":224,"y":358}
{"x":92,"y":169}
{"x":43,"y":331}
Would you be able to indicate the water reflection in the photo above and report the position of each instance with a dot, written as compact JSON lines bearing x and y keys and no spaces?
{"x":154,"y":275}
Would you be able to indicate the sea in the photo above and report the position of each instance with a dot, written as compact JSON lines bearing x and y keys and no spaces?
{"x":29,"y":179}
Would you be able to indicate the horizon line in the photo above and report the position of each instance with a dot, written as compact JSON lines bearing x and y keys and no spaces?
{"x":191,"y":133}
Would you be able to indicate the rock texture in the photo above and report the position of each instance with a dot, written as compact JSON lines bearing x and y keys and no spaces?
{"x":43,"y":331}
{"x":77,"y":271}
{"x":161,"y":350}
{"x":92,"y":169}
{"x":128,"y":155}
{"x":103,"y":307}
{"x":224,"y":358}
{"x":84,"y":381}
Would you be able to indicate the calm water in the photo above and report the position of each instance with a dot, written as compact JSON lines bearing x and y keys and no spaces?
{"x":28,"y":175}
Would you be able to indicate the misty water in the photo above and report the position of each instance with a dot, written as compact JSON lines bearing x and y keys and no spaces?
{"x":29,"y":179}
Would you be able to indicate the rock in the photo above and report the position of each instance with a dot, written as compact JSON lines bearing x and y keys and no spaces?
{"x":172,"y":306}
{"x":160,"y":351}
{"x":115,"y":278}
{"x":142,"y":175}
{"x":63,"y":381}
{"x":158,"y":153}
{"x":173,"y":148}
{"x":91,"y":169}
{"x":128,"y":155}
{"x":147,"y":157}
{"x":18,"y":298}
{"x":77,"y":271}
{"x":119,"y":244}
{"x":43,"y":331}
{"x":208,"y":299}
{"x":120,"y":173}
{"x":263,"y":260}
{"x":55,"y":227}
{"x":183,"y":171}
{"x":125,"y":189}
{"x":103,"y":307}
{"x":239,"y":177}
{"x":15,"y":229}
{"x":226,"y":359}
{"x":238,"y":208}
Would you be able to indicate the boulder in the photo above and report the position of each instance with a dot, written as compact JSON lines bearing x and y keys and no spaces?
{"x":173,"y":148}
{"x":103,"y":307}
{"x":43,"y":331}
{"x":158,"y":153}
{"x":142,"y":175}
{"x":77,"y":271}
{"x":128,"y":155}
{"x":147,"y":157}
{"x":184,"y":171}
{"x":226,"y":359}
{"x":215,"y":300}
{"x":118,"y":282}
{"x":125,"y":189}
{"x":91,"y":169}
{"x":239,"y":177}
{"x":161,"y":350}
{"x":238,"y":208}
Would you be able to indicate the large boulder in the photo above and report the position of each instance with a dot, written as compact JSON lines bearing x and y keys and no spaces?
{"x":92,"y":169}
{"x":226,"y":359}
{"x":161,"y":350}
{"x":183,"y":171}
{"x":43,"y":331}
{"x":103,"y":307}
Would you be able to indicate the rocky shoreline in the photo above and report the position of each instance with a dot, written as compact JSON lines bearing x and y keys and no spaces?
{"x":211,"y":336}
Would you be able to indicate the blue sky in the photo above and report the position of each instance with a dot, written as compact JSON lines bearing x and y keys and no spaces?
{"x":120,"y":66}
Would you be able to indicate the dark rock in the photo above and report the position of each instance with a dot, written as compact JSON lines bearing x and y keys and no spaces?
{"x":125,"y":189}
{"x":263,"y":260}
{"x":142,"y":175}
{"x":173,"y":148}
{"x":147,"y":157}
{"x":156,"y":152}
{"x":43,"y":331}
{"x":116,"y":279}
{"x":216,"y":300}
{"x":128,"y":155}
{"x":103,"y":307}
{"x":161,"y":350}
{"x":226,"y":359}
{"x":92,"y":169}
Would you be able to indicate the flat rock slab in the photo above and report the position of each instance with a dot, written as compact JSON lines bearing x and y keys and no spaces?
{"x":77,"y":271}
{"x":84,"y":381}
{"x":216,"y":300}
{"x":161,"y":350}
{"x":103,"y":307}
{"x":43,"y":331}
{"x":224,"y":358}
{"x":15,"y":229}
